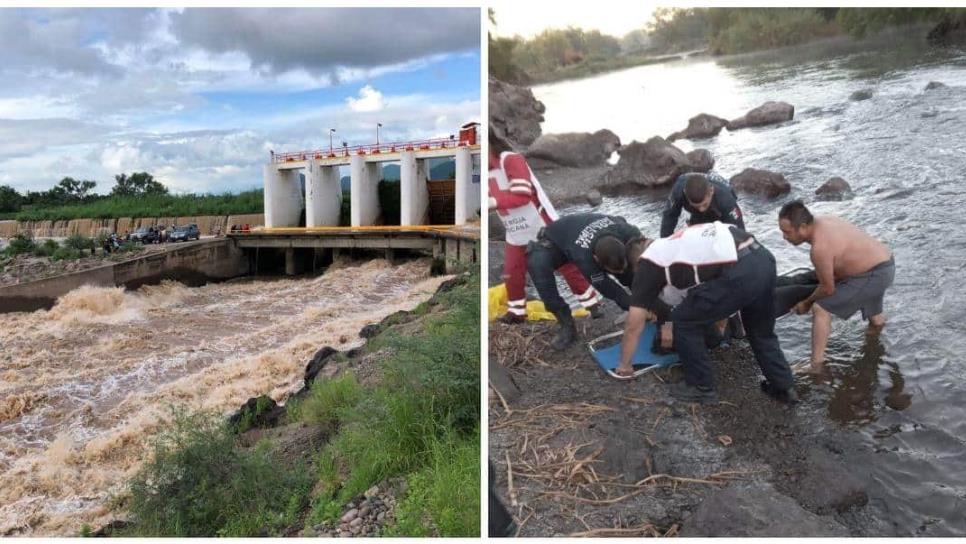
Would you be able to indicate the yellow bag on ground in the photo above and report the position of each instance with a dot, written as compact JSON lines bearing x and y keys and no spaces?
{"x":497,"y":305}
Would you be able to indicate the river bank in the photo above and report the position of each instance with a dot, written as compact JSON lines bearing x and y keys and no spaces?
{"x":592,"y":456}
{"x":361,"y":464}
{"x":869,"y":113}
{"x":111,"y":363}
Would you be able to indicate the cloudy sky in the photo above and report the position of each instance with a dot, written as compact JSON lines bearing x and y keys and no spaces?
{"x":198,"y":97}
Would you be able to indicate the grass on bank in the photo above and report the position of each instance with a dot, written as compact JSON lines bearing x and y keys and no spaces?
{"x":419,"y":422}
{"x":199,"y":484}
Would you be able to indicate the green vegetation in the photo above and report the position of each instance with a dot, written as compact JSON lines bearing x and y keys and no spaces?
{"x":73,"y":248}
{"x":66,"y":254}
{"x":444,"y":492}
{"x":80,"y":243}
{"x":569,"y":53}
{"x":135,"y":195}
{"x":418,"y":421}
{"x":328,"y":402}
{"x":19,"y":244}
{"x":199,"y":484}
{"x":150,"y":206}
{"x":749,"y":29}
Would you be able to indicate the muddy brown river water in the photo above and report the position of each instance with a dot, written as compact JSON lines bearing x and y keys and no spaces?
{"x":85,"y":386}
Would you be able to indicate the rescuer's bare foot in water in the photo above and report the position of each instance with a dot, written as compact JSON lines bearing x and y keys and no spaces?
{"x":876,"y":324}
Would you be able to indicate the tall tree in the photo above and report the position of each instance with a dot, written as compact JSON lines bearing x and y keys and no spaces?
{"x":137,"y":184}
{"x":10,"y":199}
{"x":75,"y":190}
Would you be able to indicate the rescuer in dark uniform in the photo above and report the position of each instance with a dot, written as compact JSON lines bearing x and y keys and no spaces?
{"x":598,"y":245}
{"x":724,"y":270}
{"x":707,"y":197}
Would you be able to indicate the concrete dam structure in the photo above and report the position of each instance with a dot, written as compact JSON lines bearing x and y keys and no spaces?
{"x":322,"y":198}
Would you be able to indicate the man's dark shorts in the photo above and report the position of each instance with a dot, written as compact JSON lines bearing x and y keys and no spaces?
{"x":862,"y":292}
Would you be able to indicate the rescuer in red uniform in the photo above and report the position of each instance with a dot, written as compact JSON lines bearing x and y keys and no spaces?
{"x":516,"y":195}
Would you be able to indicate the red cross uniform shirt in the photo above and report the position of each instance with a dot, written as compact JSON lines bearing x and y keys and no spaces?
{"x":520,"y":201}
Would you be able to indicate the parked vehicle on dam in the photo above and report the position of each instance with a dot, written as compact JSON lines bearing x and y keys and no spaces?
{"x":184,"y":233}
{"x":146,"y":235}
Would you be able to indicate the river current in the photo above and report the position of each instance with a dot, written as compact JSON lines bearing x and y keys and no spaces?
{"x":85,"y":386}
{"x":903,"y":151}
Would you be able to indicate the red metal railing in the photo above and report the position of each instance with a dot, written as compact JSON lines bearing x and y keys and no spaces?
{"x":369,"y":149}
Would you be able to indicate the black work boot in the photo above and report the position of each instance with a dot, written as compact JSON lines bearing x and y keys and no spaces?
{"x":511,"y":318}
{"x":735,"y":327}
{"x":785,"y":396}
{"x":690,"y":393}
{"x":566,"y":331}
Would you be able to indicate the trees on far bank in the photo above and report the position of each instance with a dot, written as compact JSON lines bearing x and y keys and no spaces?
{"x":137,"y":184}
{"x":560,"y":53}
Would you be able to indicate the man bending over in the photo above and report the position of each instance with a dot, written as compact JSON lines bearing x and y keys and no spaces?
{"x":853,"y":269}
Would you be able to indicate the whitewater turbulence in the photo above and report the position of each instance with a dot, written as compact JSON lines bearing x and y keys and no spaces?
{"x":85,"y":386}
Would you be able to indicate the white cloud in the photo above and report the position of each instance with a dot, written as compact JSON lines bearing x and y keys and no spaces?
{"x":369,"y":100}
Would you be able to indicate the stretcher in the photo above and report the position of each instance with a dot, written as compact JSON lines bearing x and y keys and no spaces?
{"x":644,"y":359}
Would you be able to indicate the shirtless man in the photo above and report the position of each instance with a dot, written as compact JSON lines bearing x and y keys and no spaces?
{"x":853,"y":269}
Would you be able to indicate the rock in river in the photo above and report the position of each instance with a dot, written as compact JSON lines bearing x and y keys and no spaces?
{"x":768,"y":113}
{"x":760,"y":182}
{"x":577,"y":149}
{"x":835,"y":188}
{"x":701,"y":160}
{"x":652,"y":163}
{"x":700,"y":126}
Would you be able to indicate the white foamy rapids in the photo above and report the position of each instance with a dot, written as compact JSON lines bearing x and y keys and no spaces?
{"x":86,"y":385}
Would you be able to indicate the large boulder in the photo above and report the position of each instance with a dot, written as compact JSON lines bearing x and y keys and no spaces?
{"x":262,"y":412}
{"x":594,"y":198}
{"x":575,"y":148}
{"x":700,"y":126}
{"x":756,"y":510}
{"x":649,"y":164}
{"x":932,"y":85}
{"x":861,"y":94}
{"x":768,"y":113}
{"x":514,"y":113}
{"x":318,"y":362}
{"x":760,"y":182}
{"x":835,"y":188}
{"x":701,"y":160}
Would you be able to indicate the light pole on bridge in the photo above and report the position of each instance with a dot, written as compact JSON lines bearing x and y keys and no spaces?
{"x":331,"y":130}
